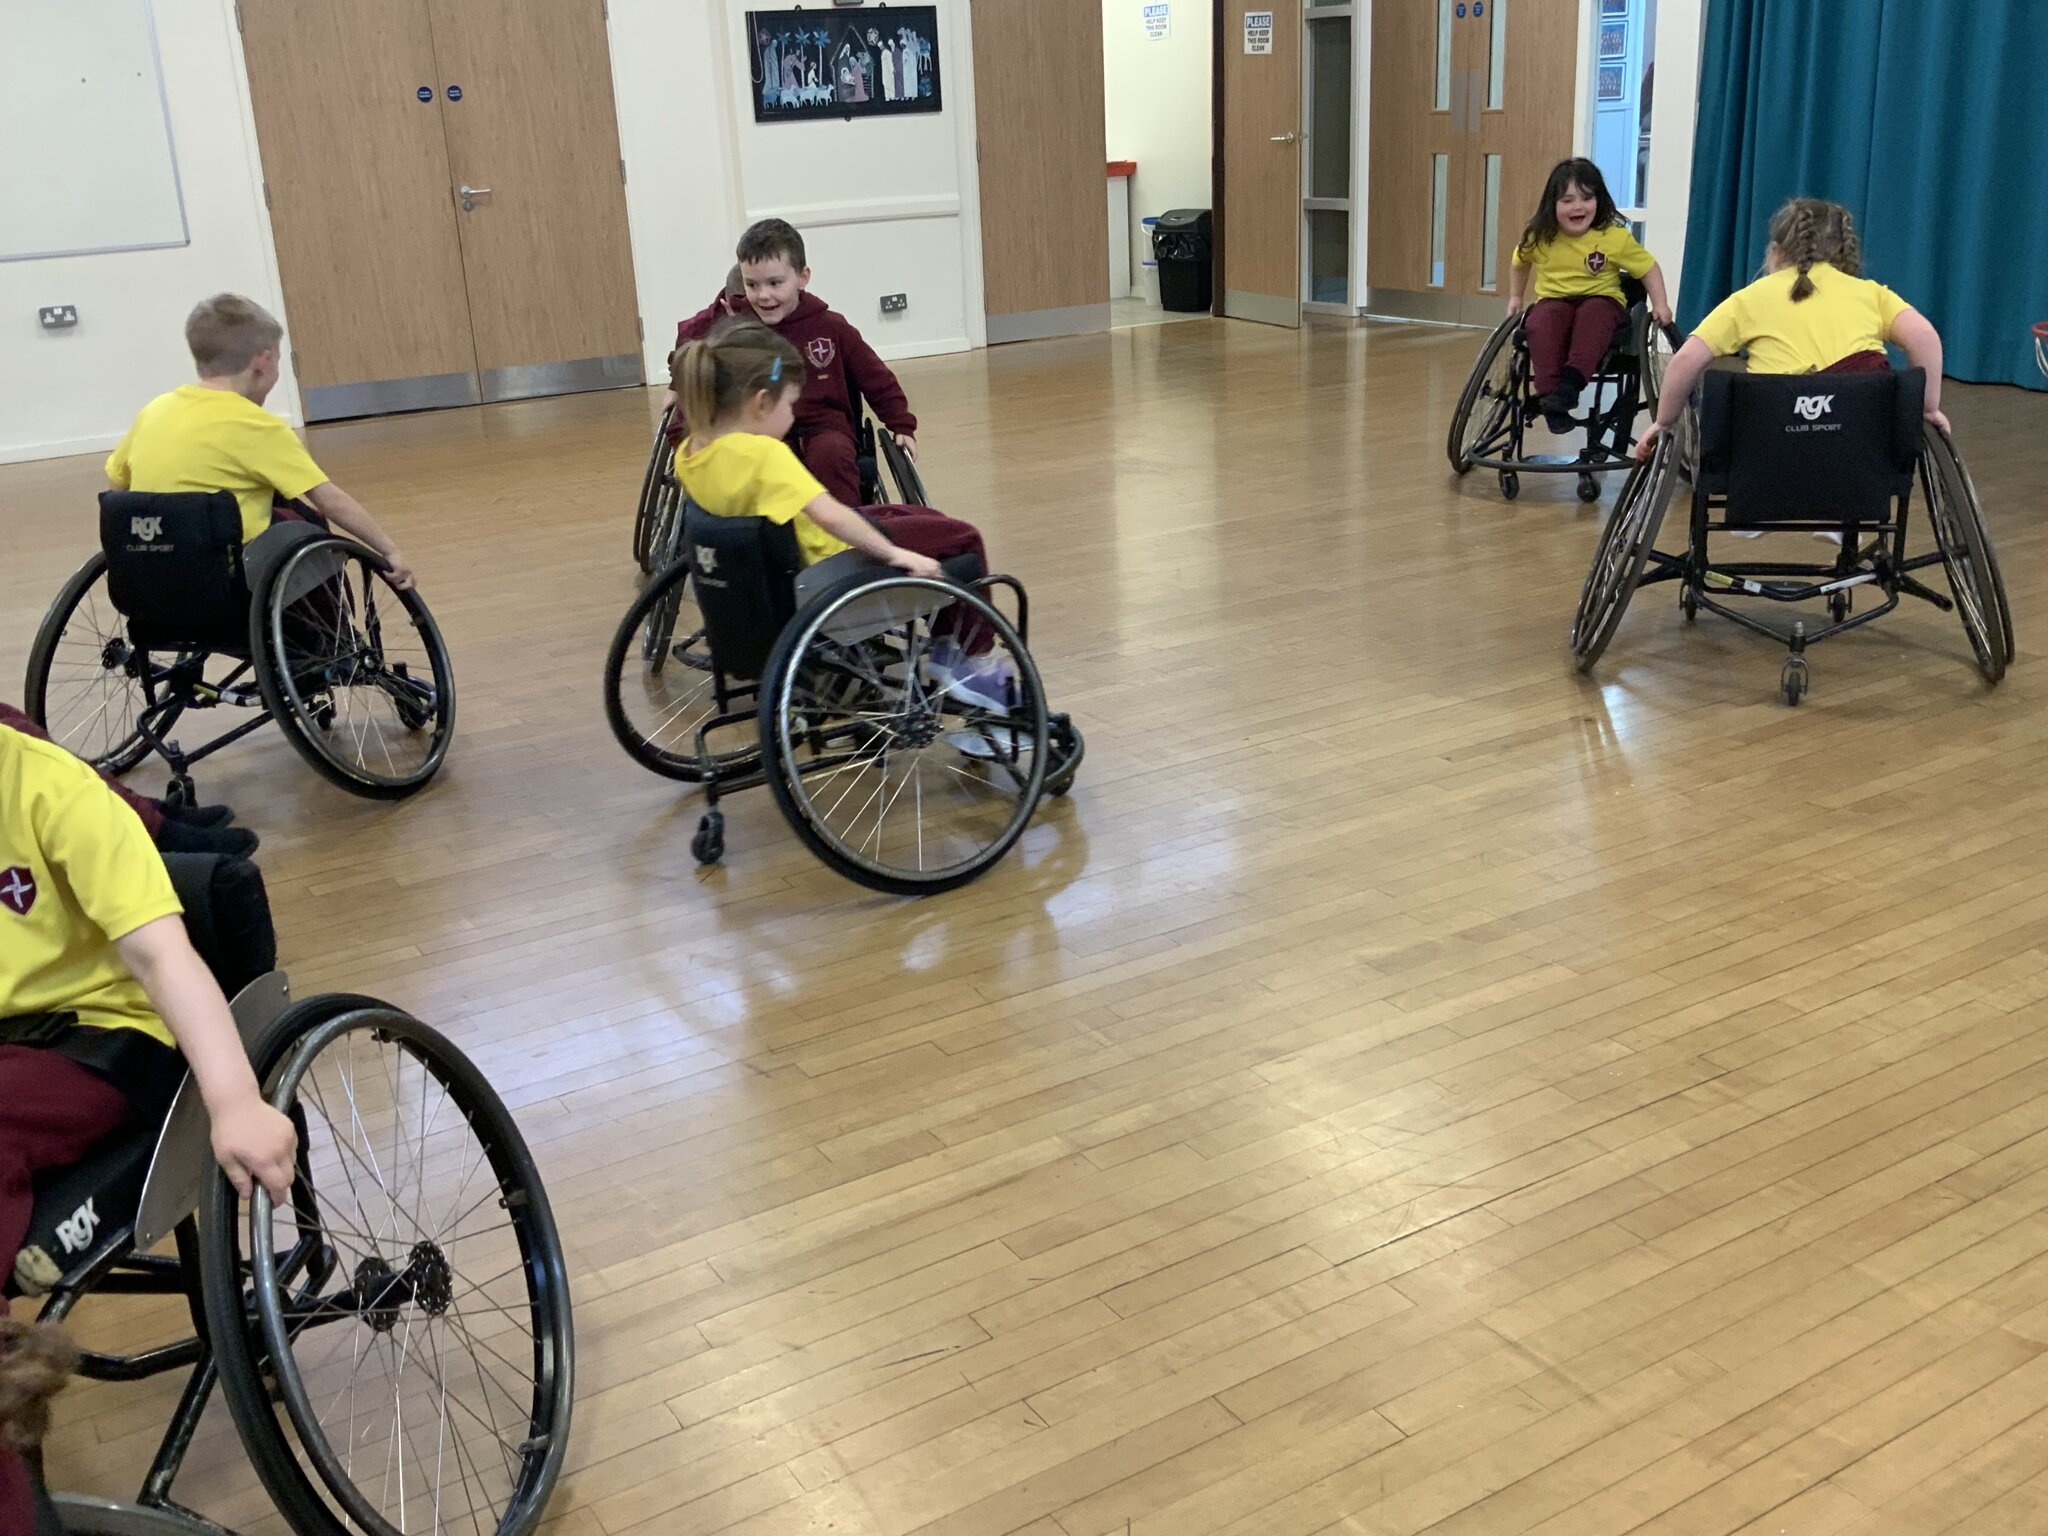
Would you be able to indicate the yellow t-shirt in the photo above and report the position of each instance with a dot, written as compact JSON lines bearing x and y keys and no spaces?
{"x":199,"y":439}
{"x":77,"y":872}
{"x":1842,"y":316}
{"x":744,"y":474}
{"x":1586,"y":266}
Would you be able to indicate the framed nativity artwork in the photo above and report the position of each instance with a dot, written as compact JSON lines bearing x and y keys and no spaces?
{"x":876,"y":62}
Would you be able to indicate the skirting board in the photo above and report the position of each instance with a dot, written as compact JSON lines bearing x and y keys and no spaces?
{"x":1037,"y":324}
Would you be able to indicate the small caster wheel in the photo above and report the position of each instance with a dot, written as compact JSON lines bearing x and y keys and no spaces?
{"x":1839,"y":604}
{"x":181,"y":791}
{"x":1688,"y":604}
{"x":1589,"y":488}
{"x":1510,"y":484}
{"x":1793,"y":679}
{"x":708,"y":846}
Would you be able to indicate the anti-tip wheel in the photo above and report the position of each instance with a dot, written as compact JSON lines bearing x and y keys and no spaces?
{"x":1793,"y":680}
{"x":708,"y":846}
{"x":1510,"y":484}
{"x":1589,"y":488}
{"x":181,"y":791}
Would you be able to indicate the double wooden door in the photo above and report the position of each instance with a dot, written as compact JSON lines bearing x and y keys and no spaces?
{"x":1471,"y":106}
{"x":446,"y":197}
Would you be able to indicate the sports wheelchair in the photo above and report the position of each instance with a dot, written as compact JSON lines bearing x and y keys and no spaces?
{"x":1833,"y":454}
{"x":303,"y":627}
{"x":395,"y":1345}
{"x":888,"y":476}
{"x":738,"y":666}
{"x":1499,"y":402}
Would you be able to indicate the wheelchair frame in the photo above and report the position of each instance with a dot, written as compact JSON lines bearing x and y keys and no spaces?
{"x":1626,"y":558}
{"x":1632,"y":370}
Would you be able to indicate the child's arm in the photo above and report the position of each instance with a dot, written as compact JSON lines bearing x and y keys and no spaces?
{"x":849,"y":527}
{"x":253,"y":1142}
{"x":347,"y":514}
{"x":1682,"y":373}
{"x":1922,"y":342}
{"x":880,"y":388}
{"x":1660,"y":301}
{"x":1518,"y":277}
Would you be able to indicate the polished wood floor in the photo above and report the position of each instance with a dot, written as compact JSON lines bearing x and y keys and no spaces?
{"x":1405,"y":1088}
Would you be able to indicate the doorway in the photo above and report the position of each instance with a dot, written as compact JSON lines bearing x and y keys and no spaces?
{"x":447,"y":200}
{"x":1158,"y":89}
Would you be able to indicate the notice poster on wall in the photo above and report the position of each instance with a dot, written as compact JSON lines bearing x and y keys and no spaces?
{"x":877,"y":62}
{"x":1258,"y":31}
{"x":1158,"y":20}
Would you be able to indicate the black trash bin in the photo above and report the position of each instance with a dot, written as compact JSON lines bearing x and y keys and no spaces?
{"x":1180,"y":245}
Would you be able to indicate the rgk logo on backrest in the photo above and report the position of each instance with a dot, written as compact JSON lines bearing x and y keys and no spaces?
{"x":707,"y":559}
{"x":1813,"y":407}
{"x":146,"y":528}
{"x":76,"y":1234}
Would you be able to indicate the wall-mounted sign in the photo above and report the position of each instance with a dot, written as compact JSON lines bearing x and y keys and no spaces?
{"x":1158,"y":20}
{"x":1258,"y":31}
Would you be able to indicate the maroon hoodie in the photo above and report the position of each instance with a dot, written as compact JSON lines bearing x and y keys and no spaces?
{"x":837,"y":360}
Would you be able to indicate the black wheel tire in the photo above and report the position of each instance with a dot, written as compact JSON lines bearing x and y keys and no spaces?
{"x":1626,"y":542}
{"x":238,"y":1333}
{"x":707,"y":846}
{"x":1063,"y":739}
{"x":650,"y":491}
{"x":1589,"y":488}
{"x":1688,"y":604}
{"x":776,"y":683}
{"x":181,"y":791}
{"x":1510,"y":484}
{"x":1468,"y":398}
{"x":902,"y":470}
{"x":307,"y":723}
{"x":643,"y":639}
{"x":1793,"y":681}
{"x":1839,"y":605}
{"x":1967,"y":557}
{"x":42,"y":655}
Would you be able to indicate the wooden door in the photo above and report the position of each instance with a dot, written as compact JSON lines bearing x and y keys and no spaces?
{"x":355,"y":168}
{"x":1261,"y":161}
{"x":526,"y":94}
{"x":1461,"y":144}
{"x":1039,"y":115}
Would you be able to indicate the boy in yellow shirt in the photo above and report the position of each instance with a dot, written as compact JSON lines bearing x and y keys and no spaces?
{"x":100,"y":991}
{"x":215,"y":435}
{"x":1811,"y":312}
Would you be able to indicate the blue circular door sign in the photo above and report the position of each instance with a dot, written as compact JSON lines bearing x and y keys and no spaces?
{"x":1478,"y":7}
{"x":426,"y":93}
{"x":455,"y":93}
{"x":1461,"y":10}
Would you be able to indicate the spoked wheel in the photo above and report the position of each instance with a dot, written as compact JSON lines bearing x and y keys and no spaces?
{"x":659,"y":684}
{"x":665,"y":535}
{"x":900,"y":473}
{"x":659,"y":457}
{"x":1966,"y":554}
{"x":395,"y":1347}
{"x":354,"y":670}
{"x":1623,"y":552}
{"x":87,"y":686}
{"x":897,"y":774}
{"x":1484,"y":425}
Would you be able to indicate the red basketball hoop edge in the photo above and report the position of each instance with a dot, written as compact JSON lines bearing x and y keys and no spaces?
{"x":2041,"y":344}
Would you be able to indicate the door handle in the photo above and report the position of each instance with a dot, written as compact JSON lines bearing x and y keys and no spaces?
{"x":1285,"y":138}
{"x":470,"y":194}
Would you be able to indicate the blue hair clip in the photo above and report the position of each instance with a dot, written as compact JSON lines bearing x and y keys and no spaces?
{"x":775,"y":373}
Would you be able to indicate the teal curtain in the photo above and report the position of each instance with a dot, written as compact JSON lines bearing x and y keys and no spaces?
{"x":1928,"y":118}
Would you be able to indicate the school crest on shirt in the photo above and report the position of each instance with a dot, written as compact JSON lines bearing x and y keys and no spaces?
{"x":821,"y":352}
{"x":1596,"y":261}
{"x":17,"y":890}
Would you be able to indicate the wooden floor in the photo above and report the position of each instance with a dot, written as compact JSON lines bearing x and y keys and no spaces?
{"x":1405,"y":1088}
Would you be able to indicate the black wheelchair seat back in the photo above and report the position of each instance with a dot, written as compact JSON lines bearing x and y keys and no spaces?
{"x":81,"y":1212}
{"x":174,"y":567}
{"x":1801,"y":448}
{"x":743,"y":570}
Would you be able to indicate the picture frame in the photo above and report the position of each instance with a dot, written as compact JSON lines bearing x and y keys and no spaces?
{"x":807,"y":65}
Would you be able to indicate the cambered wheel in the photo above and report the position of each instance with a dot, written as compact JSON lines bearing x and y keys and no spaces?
{"x":645,"y":516}
{"x":660,"y":684}
{"x":1622,"y":553}
{"x":87,"y":685}
{"x":411,"y":1305}
{"x":1966,"y":554}
{"x":902,"y":479}
{"x":1487,"y":419}
{"x":354,"y":670}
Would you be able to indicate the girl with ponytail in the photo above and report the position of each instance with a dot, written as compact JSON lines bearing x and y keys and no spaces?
{"x":1811,"y":312}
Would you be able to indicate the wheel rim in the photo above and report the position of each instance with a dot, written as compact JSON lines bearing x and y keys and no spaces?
{"x":1490,"y":422}
{"x":890,"y":767}
{"x":1623,"y":550}
{"x":1966,"y":555}
{"x":424,"y":1369}
{"x":95,"y":684}
{"x":657,"y":698}
{"x":359,"y":666}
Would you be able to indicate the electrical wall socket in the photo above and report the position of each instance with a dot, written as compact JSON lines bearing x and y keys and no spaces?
{"x":895,"y":303}
{"x":58,"y":317}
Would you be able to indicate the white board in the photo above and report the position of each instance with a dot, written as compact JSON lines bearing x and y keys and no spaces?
{"x":86,"y":159}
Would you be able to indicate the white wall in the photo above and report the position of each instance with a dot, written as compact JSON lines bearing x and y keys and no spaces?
{"x":1674,"y":112}
{"x":1157,"y":103}
{"x":75,"y":391}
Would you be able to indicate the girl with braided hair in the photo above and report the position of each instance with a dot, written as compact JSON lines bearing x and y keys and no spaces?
{"x":1811,"y":312}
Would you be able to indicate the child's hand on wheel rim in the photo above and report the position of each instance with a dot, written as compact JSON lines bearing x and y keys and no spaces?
{"x":254,"y":1144}
{"x":1647,"y":444}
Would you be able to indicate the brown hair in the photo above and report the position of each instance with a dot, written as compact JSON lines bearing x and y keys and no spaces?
{"x":735,"y":284}
{"x":738,"y":360}
{"x":226,"y":332}
{"x":36,"y":1360}
{"x":770,"y":238}
{"x":1807,"y":230}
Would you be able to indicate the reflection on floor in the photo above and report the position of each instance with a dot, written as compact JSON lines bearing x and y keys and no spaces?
{"x":1125,"y":313}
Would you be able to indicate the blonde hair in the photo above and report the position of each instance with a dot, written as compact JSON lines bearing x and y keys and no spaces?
{"x":739,"y":359}
{"x":226,"y":332}
{"x":1807,"y":230}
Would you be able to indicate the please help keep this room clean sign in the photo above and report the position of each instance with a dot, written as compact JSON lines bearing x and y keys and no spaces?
{"x":1258,"y":31}
{"x":1158,"y":20}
